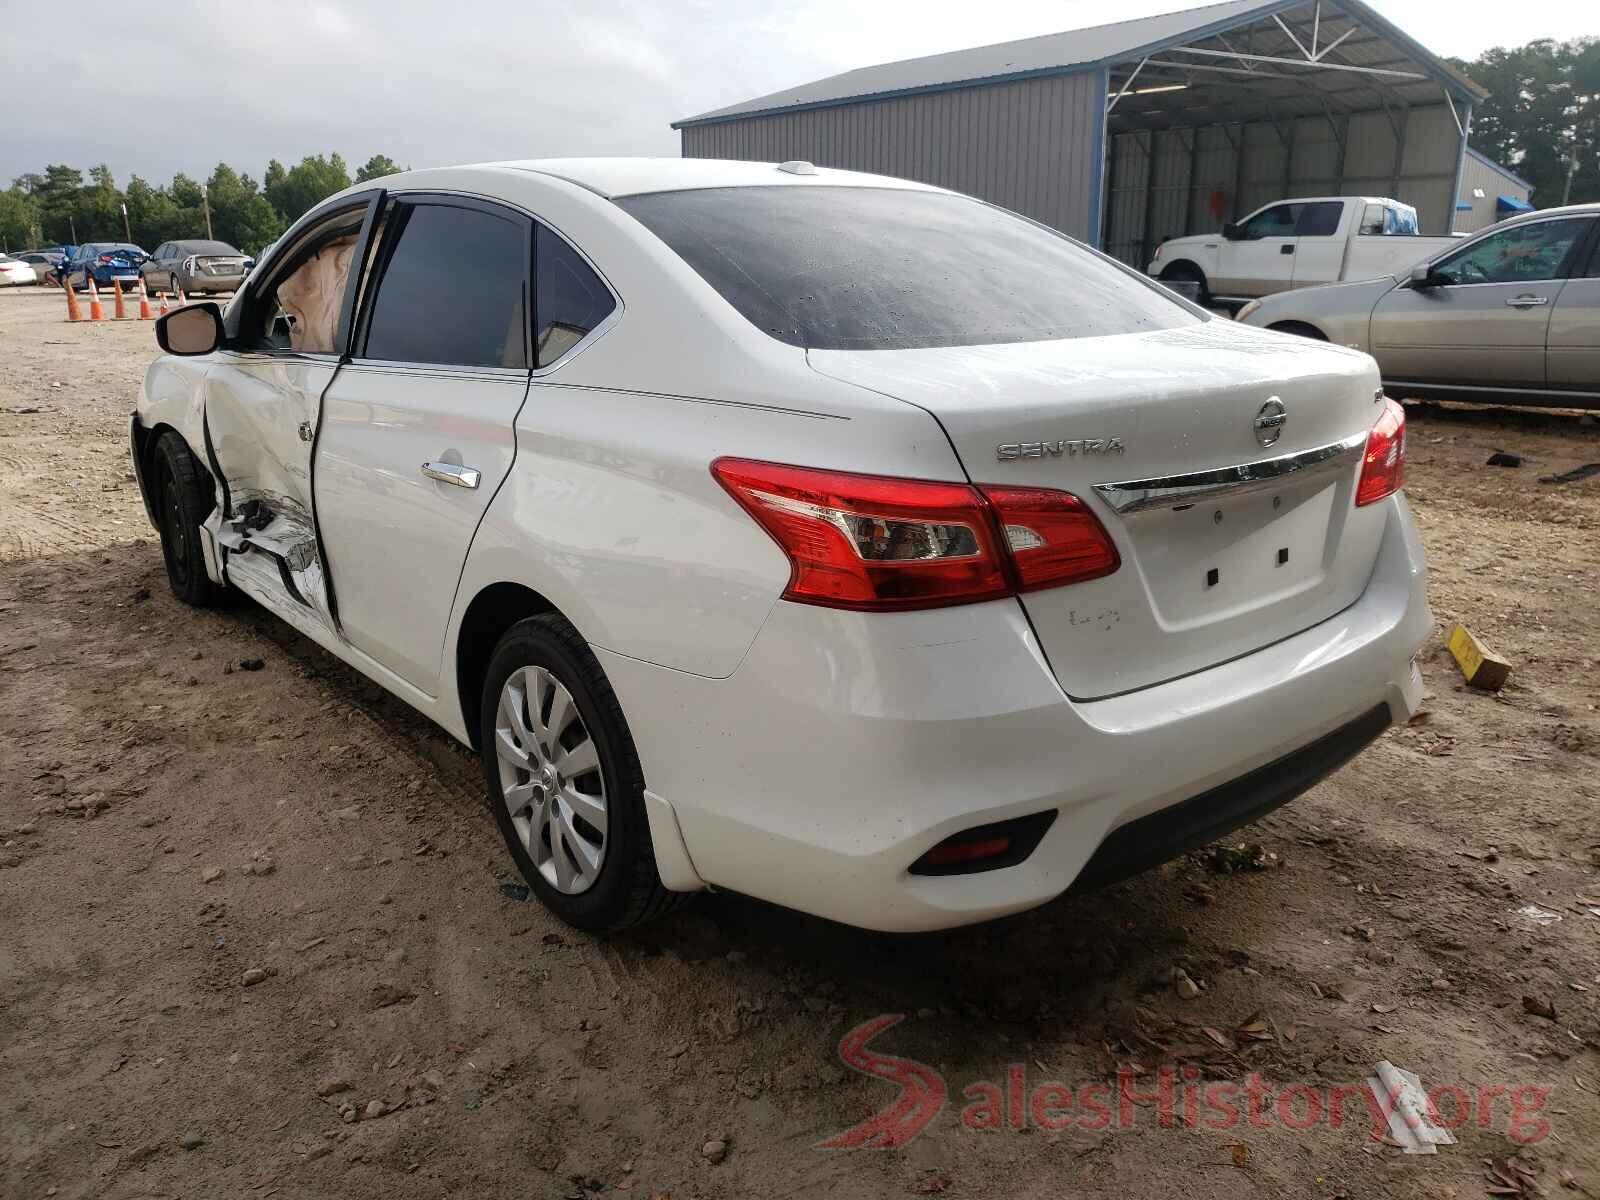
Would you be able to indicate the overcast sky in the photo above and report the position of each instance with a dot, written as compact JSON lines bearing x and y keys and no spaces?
{"x":180,"y":85}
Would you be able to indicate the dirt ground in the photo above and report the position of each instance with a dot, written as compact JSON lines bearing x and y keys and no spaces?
{"x":245,"y":894}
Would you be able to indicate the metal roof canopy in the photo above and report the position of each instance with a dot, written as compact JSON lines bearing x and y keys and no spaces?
{"x":1242,"y":60}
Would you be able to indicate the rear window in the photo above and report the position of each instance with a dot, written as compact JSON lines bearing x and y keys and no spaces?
{"x":848,"y":268}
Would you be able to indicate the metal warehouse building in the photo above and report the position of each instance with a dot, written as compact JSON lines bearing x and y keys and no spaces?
{"x":1489,"y":193}
{"x":1127,"y":134}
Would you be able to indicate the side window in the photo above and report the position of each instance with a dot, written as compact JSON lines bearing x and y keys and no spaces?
{"x":161,"y":251}
{"x":1372,"y":221}
{"x":452,"y":283}
{"x":300,"y":306}
{"x":1593,"y":269}
{"x":1521,"y":254}
{"x":571,"y":299}
{"x":1319,"y":220}
{"x":1277,"y":221}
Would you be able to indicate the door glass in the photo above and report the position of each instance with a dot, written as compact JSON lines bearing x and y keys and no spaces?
{"x":571,"y":299}
{"x":451,"y":289}
{"x":1521,"y":254}
{"x":1277,"y":221}
{"x":1319,"y":220}
{"x":300,"y":310}
{"x":1592,"y":271}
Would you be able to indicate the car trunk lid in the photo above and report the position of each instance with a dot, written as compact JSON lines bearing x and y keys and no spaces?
{"x":1221,"y":459}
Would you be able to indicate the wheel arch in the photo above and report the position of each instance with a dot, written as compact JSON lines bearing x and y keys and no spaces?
{"x":1185,"y":264}
{"x":1306,"y":329}
{"x":495,"y":609}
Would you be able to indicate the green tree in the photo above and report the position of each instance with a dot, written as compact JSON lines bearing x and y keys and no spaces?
{"x":313,"y":179}
{"x":19,"y":219}
{"x":1542,"y":117}
{"x":240,"y":214}
{"x":155,"y":216}
{"x":376,"y":167}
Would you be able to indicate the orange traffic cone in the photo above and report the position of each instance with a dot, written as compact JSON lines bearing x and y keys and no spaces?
{"x":96,"y":313}
{"x":182,"y":299}
{"x":163,"y":310}
{"x":144,"y":302}
{"x":117,"y":310}
{"x":73,"y":313}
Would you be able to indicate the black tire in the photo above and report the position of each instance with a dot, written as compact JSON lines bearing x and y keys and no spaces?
{"x":1183,"y":272}
{"x":627,"y":889}
{"x":172,"y":289}
{"x":181,"y":492}
{"x":1300,"y":329}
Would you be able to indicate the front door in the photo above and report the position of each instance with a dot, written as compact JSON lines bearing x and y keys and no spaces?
{"x":417,"y":429}
{"x":1485,"y":317}
{"x":263,"y":399}
{"x":1260,"y":258}
{"x":1320,"y":243}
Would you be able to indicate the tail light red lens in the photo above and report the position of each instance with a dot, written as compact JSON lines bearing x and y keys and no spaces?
{"x":1053,"y":537}
{"x":879,"y":543}
{"x":1383,"y":466}
{"x":865,"y":541}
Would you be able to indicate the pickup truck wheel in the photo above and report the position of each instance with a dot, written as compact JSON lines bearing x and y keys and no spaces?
{"x":564,"y":779}
{"x":1300,"y":329}
{"x":181,"y":490}
{"x":1189,"y":273}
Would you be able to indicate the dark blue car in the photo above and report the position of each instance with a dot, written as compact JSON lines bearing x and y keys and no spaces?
{"x":106,"y":261}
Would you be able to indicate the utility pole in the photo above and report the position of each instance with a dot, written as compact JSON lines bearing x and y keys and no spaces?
{"x":1572,"y":170}
{"x":205,"y":204}
{"x":73,"y":225}
{"x":126,"y":232}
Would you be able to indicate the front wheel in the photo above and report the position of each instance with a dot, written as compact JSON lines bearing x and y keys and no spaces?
{"x":181,"y":489}
{"x":564,"y":779}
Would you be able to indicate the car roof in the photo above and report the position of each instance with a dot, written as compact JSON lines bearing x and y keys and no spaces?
{"x":207,"y":247}
{"x":614,"y":177}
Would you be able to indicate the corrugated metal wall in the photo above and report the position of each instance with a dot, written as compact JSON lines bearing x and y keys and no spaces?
{"x":1183,"y":181}
{"x":1030,"y":146}
{"x":1493,"y":183}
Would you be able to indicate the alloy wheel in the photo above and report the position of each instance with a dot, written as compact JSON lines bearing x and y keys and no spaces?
{"x":551,"y":779}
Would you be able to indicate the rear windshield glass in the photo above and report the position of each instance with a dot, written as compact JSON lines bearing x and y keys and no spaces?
{"x":848,"y":268}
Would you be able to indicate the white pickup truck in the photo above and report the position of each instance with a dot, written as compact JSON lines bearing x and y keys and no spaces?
{"x":1296,"y":244}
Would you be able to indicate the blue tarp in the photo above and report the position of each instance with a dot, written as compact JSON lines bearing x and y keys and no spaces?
{"x":1512,"y":204}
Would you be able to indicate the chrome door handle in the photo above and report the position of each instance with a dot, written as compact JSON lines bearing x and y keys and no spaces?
{"x":450,"y":473}
{"x":1527,"y":301}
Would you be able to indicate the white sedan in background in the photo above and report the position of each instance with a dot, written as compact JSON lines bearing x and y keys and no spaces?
{"x":830,"y":538}
{"x":14,"y":272}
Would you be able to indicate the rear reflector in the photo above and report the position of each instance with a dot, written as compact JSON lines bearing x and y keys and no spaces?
{"x":986,"y":847}
{"x":879,"y":543}
{"x":1383,"y":466}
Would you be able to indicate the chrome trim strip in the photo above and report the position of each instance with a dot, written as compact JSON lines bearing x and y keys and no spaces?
{"x":1141,"y":495}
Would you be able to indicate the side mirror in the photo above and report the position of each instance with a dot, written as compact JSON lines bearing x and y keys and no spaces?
{"x":1232,"y":232}
{"x":1422,"y":276}
{"x":192,"y":329}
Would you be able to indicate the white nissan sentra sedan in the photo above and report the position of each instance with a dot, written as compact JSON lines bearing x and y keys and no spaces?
{"x":833,"y":539}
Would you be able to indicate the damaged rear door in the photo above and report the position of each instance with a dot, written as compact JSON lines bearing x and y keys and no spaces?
{"x":288,"y":334}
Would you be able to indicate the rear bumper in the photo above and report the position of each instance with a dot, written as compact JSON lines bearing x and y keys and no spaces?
{"x":211,"y":283}
{"x":846,"y":745}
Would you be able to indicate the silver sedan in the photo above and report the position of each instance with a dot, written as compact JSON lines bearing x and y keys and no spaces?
{"x":1511,"y":315}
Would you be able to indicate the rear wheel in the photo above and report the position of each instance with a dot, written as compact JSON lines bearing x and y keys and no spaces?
{"x":564,"y":779}
{"x":1184,"y":272}
{"x":181,"y":489}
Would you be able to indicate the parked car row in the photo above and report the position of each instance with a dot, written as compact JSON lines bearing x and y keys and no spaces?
{"x":197,"y":266}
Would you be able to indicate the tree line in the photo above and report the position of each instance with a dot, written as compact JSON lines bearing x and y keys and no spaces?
{"x":1542,"y":117}
{"x":60,"y":207}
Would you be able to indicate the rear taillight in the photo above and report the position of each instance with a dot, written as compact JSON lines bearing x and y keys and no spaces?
{"x":1383,"y":466}
{"x":879,"y":543}
{"x":1052,"y":536}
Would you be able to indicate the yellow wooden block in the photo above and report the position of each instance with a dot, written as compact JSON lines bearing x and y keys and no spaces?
{"x":1480,"y":666}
